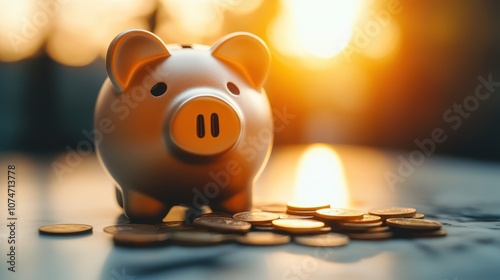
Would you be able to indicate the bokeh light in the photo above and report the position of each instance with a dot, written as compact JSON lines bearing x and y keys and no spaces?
{"x":197,"y":21}
{"x":320,"y":28}
{"x":23,"y":26}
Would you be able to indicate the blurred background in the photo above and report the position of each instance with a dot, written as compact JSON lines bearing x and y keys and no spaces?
{"x":365,"y":72}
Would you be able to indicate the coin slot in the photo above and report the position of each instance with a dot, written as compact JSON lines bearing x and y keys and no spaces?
{"x":214,"y":128}
{"x":200,"y":126}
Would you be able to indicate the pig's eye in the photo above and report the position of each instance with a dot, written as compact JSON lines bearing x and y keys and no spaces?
{"x":233,"y":88}
{"x":159,"y":89}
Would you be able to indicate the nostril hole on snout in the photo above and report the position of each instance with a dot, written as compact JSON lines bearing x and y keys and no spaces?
{"x":233,"y":88}
{"x":214,"y":127}
{"x":200,"y":126}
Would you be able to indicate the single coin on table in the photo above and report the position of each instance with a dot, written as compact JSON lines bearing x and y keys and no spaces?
{"x":200,"y":238}
{"x":418,"y":216}
{"x":323,"y":240}
{"x":131,"y":228}
{"x":304,"y":205}
{"x":65,"y":229}
{"x":298,"y":225}
{"x":129,"y":239}
{"x":223,"y":224}
{"x":413,"y":224}
{"x":394,"y":212}
{"x":339,"y":214}
{"x":255,"y":217}
{"x":263,"y":239}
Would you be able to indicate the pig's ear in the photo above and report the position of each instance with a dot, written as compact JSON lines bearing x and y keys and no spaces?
{"x":248,"y":53}
{"x":128,"y":50}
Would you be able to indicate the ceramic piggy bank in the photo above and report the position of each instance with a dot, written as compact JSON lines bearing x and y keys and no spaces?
{"x":183,"y":125}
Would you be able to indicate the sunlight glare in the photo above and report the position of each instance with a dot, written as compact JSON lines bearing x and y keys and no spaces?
{"x":321,"y":28}
{"x":320,"y":177}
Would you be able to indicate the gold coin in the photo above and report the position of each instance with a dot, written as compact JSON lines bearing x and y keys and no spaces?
{"x":301,"y":212}
{"x":274,"y":207}
{"x":370,"y":235}
{"x":254,"y":217}
{"x":413,"y":224}
{"x":359,"y":226}
{"x":304,"y":205}
{"x":131,"y":228}
{"x":367,"y":219}
{"x":265,"y":224}
{"x":223,"y":224}
{"x":298,"y":232}
{"x":418,"y":216}
{"x":323,"y":240}
{"x":422,"y":234}
{"x":171,"y":226}
{"x":288,"y":216}
{"x":263,"y":239}
{"x":130,"y":239}
{"x":368,"y":230}
{"x":200,"y":238}
{"x":378,"y":229}
{"x":394,"y":212}
{"x":264,"y":228}
{"x":298,"y":225}
{"x":339,"y":214}
{"x":65,"y":229}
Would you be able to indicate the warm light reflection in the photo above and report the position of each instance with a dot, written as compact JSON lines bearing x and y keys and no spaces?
{"x":385,"y":44}
{"x":22,"y":29}
{"x":187,"y":21}
{"x":75,"y":32}
{"x":320,"y":177}
{"x":83,"y":29}
{"x":180,"y":21}
{"x":321,"y":28}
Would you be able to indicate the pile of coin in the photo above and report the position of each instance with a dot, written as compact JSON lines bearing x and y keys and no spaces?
{"x":301,"y":222}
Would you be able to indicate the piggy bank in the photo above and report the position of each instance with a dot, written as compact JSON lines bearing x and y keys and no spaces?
{"x":183,"y":124}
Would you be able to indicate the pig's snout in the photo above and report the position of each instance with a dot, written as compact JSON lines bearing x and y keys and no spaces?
{"x":205,"y":126}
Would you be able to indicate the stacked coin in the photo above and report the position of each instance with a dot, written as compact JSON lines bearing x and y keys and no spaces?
{"x":308,"y":224}
{"x":385,"y":223}
{"x":304,"y":208}
{"x":414,"y":228}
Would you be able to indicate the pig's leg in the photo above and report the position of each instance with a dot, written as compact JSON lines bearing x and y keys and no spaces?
{"x":238,"y":202}
{"x":119,"y":196}
{"x":140,"y":207}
